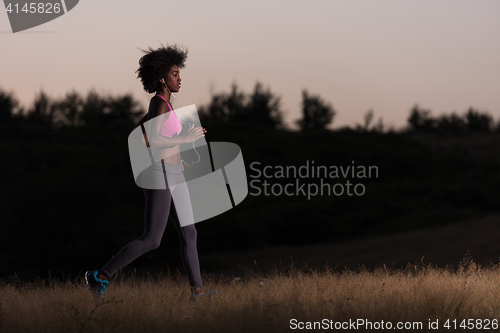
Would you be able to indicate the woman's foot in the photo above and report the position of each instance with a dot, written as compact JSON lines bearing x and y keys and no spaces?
{"x":199,"y":292}
{"x":96,"y":286}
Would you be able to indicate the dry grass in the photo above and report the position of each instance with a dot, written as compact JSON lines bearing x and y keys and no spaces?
{"x":256,"y":303}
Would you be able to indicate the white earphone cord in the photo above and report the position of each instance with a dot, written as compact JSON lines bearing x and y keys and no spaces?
{"x":199,"y":157}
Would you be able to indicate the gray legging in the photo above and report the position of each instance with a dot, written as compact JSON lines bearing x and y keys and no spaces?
{"x":159,"y":204}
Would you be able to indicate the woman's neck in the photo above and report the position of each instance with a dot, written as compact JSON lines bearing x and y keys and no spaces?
{"x":164,"y":92}
{"x":166,"y":96}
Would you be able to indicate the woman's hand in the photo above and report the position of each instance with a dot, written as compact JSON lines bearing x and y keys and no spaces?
{"x":194,"y":134}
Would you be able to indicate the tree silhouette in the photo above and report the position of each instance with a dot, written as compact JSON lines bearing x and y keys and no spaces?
{"x":420,"y":120}
{"x":450,"y":124}
{"x":477,"y":122}
{"x":99,"y":110}
{"x":124,"y":109}
{"x":472,"y":121}
{"x":8,"y":106}
{"x":224,"y":107}
{"x":93,"y":109}
{"x":260,"y":108}
{"x":264,"y":108}
{"x":68,"y":110}
{"x":316,"y":114}
{"x":367,"y":123}
{"x":42,"y":111}
{"x":368,"y":118}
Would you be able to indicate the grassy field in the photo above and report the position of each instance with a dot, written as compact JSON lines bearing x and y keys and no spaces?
{"x":439,"y":245}
{"x":262,"y":302}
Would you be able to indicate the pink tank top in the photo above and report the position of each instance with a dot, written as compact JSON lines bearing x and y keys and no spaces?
{"x":172,"y":126}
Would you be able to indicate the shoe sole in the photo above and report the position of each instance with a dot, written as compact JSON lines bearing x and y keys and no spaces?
{"x":89,"y":287}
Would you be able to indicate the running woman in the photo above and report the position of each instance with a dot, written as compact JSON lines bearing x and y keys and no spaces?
{"x":159,"y":71}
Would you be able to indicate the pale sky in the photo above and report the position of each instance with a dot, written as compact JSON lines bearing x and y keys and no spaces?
{"x":384,"y":55}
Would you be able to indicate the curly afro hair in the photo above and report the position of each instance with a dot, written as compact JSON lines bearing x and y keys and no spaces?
{"x":155,"y":64}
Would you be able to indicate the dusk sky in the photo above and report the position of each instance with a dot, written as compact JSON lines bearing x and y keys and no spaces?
{"x":358,"y":55}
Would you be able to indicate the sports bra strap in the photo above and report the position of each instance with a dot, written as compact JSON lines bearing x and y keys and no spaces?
{"x":165,"y":101}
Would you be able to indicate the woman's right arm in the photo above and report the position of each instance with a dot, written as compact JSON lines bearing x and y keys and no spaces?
{"x":156,"y":140}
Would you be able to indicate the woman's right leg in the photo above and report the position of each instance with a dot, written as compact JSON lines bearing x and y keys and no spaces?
{"x":155,"y":220}
{"x":189,"y":252}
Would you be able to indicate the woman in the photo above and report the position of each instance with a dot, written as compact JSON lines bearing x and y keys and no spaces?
{"x":159,"y":71}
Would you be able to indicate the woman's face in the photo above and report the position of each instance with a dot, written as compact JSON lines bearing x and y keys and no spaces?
{"x":173,"y":79}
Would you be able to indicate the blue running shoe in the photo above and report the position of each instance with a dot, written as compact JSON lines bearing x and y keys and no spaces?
{"x":96,"y":286}
{"x":204,"y":294}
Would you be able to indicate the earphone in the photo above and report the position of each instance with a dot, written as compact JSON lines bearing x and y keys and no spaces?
{"x":199,"y":157}
{"x":162,"y":80}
